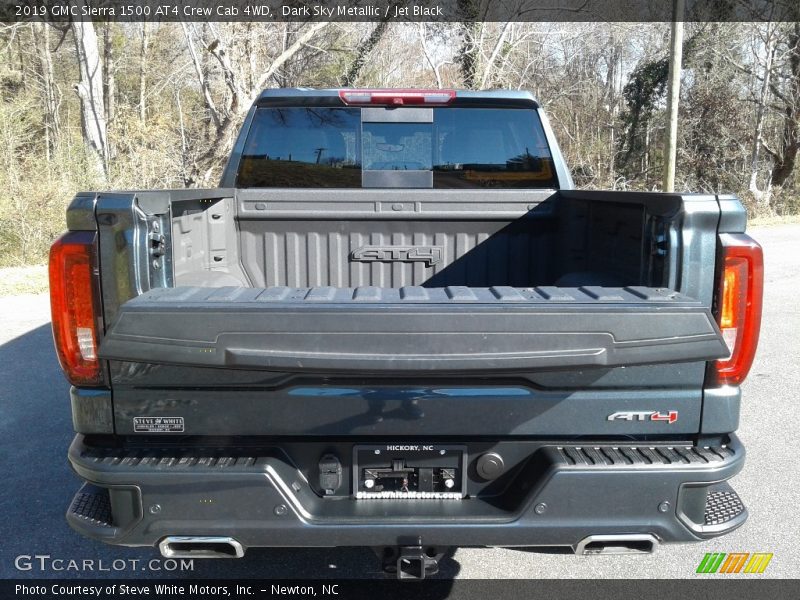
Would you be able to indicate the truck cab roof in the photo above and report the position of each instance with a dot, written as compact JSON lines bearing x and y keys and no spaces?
{"x":331,"y":97}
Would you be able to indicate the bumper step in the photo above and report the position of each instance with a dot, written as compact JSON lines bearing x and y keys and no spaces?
{"x":642,"y":455}
{"x":92,"y":504}
{"x":723,"y":505}
{"x":104,"y":513}
{"x":216,"y":460}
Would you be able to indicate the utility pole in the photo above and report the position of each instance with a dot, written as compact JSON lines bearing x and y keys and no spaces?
{"x":673,"y":95}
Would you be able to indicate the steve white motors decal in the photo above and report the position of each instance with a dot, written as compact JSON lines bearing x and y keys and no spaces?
{"x":158,"y":424}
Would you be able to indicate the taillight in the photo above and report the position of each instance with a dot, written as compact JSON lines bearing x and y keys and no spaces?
{"x":397,"y":97}
{"x":739,"y":300}
{"x":74,"y":306}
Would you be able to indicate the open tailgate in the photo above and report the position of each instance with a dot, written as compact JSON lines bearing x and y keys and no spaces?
{"x":384,"y":330}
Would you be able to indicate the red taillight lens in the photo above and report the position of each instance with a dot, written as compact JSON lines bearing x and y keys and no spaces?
{"x":739,"y":302}
{"x":397,"y":97}
{"x":74,"y":306}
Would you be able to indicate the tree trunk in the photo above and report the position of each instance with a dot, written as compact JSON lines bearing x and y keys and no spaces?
{"x":201,"y":76}
{"x":489,"y":66}
{"x":434,"y":66}
{"x":143,"y":74}
{"x":673,"y":95}
{"x":249,"y":45}
{"x":282,"y":74}
{"x":469,"y":57}
{"x":90,"y":92}
{"x":184,"y":175}
{"x":363,"y":52}
{"x":109,"y":81}
{"x":51,"y":96}
{"x":761,"y":196}
{"x":22,"y":70}
{"x":786,"y":159}
{"x":612,"y":94}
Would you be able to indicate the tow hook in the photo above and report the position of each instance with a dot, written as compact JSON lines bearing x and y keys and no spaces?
{"x":411,"y":562}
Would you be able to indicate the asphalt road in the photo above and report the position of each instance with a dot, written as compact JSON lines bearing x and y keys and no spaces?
{"x":37,"y":486}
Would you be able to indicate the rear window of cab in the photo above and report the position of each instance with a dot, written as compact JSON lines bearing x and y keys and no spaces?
{"x":321,"y":147}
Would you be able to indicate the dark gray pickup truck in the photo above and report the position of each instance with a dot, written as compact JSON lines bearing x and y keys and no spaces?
{"x":396,"y":324}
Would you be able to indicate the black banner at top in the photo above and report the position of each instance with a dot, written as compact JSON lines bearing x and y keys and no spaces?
{"x":399,"y":10}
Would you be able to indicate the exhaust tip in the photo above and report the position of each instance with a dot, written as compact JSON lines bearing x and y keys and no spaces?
{"x":643,"y":543}
{"x":188,"y":546}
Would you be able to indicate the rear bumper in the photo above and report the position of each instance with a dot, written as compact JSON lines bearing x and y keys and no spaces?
{"x":560,"y":495}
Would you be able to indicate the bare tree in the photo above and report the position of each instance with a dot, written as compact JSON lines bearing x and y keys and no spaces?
{"x":362,"y":53}
{"x":240,"y":94}
{"x":109,"y":78}
{"x":183,"y":90}
{"x":673,"y":95}
{"x":427,"y":54}
{"x":784,"y":154}
{"x":90,"y":92}
{"x":51,"y":94}
{"x":488,"y":64}
{"x":143,"y":42}
{"x":762,"y":196}
{"x":201,"y":77}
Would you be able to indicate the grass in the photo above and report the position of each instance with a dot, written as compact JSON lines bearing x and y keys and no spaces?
{"x":773,"y":220}
{"x":23,"y":280}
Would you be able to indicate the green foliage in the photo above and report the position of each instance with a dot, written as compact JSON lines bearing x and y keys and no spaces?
{"x":641,"y":94}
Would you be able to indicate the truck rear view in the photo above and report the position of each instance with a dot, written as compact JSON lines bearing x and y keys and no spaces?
{"x":396,"y":325}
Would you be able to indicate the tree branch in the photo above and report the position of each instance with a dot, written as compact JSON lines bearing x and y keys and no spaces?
{"x":487,"y":70}
{"x":770,"y":151}
{"x":212,"y":108}
{"x":281,"y":59}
